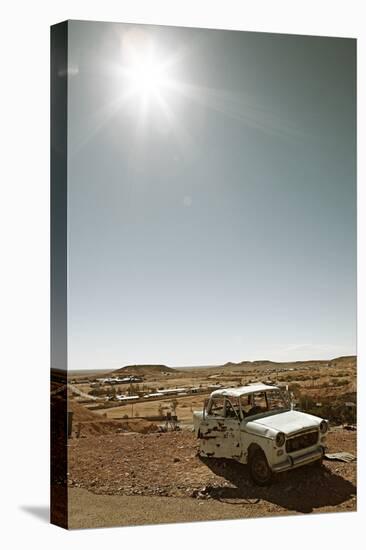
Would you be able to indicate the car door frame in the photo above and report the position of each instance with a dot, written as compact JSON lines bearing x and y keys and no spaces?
{"x":220,"y":435}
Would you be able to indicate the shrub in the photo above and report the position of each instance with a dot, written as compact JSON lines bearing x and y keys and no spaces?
{"x":306,"y":402}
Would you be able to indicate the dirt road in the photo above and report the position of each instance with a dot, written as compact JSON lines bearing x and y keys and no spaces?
{"x":88,"y":510}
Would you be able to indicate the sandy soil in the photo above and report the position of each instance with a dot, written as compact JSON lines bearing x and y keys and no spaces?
{"x":130,"y":479}
{"x":87,"y":510}
{"x":119,"y":477}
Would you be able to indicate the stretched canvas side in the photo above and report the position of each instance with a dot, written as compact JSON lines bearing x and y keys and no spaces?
{"x":59,"y":274}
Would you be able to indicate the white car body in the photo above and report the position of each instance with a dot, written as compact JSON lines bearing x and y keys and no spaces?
{"x":235,"y":437}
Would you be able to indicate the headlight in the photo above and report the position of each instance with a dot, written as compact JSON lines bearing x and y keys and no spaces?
{"x":323,"y":426}
{"x":280,"y":439}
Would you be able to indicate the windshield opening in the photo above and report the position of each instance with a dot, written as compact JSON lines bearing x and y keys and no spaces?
{"x":263,"y":402}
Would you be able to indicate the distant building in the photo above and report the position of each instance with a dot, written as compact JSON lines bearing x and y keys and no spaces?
{"x":113,"y":380}
{"x":126,"y":397}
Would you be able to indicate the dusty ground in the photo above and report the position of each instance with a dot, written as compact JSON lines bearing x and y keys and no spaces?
{"x":87,"y":510}
{"x":129,"y":479}
{"x":87,"y":423}
{"x":184,"y":410}
{"x":121,"y":478}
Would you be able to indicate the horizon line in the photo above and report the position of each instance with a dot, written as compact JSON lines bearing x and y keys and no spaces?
{"x":177,"y":367}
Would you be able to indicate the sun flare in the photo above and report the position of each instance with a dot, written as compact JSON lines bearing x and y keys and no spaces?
{"x":146,"y":74}
{"x":149,"y":84}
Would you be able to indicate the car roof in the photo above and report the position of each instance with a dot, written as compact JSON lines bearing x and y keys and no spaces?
{"x":242,"y":390}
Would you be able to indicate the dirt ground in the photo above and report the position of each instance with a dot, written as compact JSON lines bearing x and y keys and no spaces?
{"x":184,"y":410}
{"x":87,"y":510}
{"x":131,"y":479}
{"x":87,"y":423}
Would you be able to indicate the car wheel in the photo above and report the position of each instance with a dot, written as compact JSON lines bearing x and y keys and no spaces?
{"x":260,"y":472}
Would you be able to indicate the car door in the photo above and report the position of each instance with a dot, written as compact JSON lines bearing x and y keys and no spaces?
{"x":231,"y":437}
{"x":213,"y":418}
{"x":220,"y":429}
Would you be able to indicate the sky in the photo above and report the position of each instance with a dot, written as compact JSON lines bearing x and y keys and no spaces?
{"x":211,"y":196}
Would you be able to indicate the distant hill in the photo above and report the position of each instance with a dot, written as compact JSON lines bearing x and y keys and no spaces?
{"x":156,"y":370}
{"x":144,"y":369}
{"x":337,"y":361}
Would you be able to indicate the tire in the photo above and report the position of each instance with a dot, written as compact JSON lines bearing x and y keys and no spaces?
{"x":259,"y":470}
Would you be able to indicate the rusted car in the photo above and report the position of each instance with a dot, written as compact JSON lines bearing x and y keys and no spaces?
{"x":256,"y":425}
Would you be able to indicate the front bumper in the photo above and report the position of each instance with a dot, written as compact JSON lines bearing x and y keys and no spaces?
{"x":294,"y":462}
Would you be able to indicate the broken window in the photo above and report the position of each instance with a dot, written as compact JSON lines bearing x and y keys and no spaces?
{"x":217,"y":407}
{"x":246,"y":404}
{"x":255,"y":403}
{"x":276,"y":400}
{"x":232,"y":408}
{"x":259,"y":402}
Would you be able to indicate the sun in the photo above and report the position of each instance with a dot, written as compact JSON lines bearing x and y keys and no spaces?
{"x":146,"y":75}
{"x":149,"y":83}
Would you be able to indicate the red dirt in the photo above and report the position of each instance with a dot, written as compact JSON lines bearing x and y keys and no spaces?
{"x":166,"y":464}
{"x":87,"y":423}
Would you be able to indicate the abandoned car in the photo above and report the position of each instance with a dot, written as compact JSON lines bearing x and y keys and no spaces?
{"x":256,"y":425}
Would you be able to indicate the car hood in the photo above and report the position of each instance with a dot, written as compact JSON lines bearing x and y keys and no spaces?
{"x":288,"y":422}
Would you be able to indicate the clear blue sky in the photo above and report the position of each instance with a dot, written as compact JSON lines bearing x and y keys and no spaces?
{"x":214,"y":221}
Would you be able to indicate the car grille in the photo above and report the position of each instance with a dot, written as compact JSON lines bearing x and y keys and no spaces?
{"x":301,"y":441}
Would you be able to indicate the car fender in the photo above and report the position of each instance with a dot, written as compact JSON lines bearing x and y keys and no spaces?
{"x":250,"y":441}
